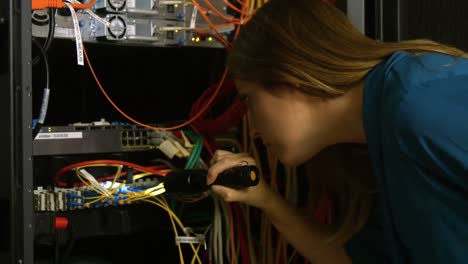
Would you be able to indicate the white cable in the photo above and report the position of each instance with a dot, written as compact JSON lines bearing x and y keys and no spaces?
{"x":220,"y":235}
{"x":202,"y":165}
{"x":210,"y":248}
{"x":78,"y":38}
{"x":215,"y":230}
{"x":227,"y":226}
{"x":91,"y":13}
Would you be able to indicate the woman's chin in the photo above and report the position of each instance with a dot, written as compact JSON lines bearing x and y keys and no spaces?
{"x":287,"y":157}
{"x":290,"y":160}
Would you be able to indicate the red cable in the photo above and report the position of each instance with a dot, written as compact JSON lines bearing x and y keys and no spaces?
{"x":109,"y":162}
{"x":111,"y":177}
{"x":232,"y":116}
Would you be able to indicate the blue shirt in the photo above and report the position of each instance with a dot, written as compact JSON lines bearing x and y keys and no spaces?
{"x":416,"y":123}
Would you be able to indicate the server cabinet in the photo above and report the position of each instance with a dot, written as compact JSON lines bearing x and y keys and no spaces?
{"x":16,"y":221}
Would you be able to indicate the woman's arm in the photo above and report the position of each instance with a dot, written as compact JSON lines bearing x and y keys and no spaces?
{"x":307,"y":237}
{"x":303,"y":234}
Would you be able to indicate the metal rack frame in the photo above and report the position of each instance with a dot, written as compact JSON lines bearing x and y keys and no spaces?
{"x":16,"y":217}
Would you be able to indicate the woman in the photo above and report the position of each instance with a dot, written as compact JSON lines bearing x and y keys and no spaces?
{"x":311,"y":80}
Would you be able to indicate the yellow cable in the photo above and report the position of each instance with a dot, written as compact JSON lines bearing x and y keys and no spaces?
{"x":179,"y":247}
{"x":148,"y":193}
{"x":141,"y":175}
{"x":160,"y":204}
{"x":90,"y":185}
{"x":163,"y":204}
{"x":181,"y":226}
{"x":199,"y":245}
{"x":150,"y":190}
{"x":115,"y":190}
{"x":251,"y":6}
{"x":117,"y":175}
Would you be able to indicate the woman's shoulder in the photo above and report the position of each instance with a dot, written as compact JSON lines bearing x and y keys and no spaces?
{"x":416,"y":69}
{"x":425,"y":101}
{"x":421,"y":96}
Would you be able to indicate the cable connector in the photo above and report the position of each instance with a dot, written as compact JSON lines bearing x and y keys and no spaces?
{"x":43,"y":4}
{"x":57,"y":4}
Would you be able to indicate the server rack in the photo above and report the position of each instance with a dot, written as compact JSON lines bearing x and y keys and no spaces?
{"x":384,"y":20}
{"x":16,"y":240}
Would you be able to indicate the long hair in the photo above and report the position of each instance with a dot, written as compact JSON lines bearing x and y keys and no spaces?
{"x":314,"y":47}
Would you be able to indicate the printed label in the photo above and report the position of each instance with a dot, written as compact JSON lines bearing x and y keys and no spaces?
{"x":64,"y":135}
{"x":131,"y":4}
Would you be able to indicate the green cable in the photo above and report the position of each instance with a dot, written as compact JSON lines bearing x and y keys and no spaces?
{"x":195,"y":155}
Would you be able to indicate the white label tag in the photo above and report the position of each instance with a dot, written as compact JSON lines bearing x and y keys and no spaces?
{"x":45,"y":102}
{"x":64,"y":135}
{"x":171,"y":28}
{"x":131,"y":30}
{"x":131,"y":4}
{"x":63,"y":32}
{"x":78,"y":40}
{"x":190,"y":240}
{"x":43,"y":201}
{"x":51,"y":202}
{"x":170,"y":2}
{"x":193,"y":21}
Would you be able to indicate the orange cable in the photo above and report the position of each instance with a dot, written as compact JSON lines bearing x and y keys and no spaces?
{"x":242,"y":16}
{"x":210,"y":23}
{"x":214,"y":9}
{"x":149,"y":126}
{"x":84,"y":6}
{"x":233,"y":7}
{"x":43,"y":4}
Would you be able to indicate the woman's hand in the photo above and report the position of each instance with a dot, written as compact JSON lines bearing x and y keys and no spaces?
{"x":257,"y":196}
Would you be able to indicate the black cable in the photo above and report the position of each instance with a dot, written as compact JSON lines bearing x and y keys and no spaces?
{"x":50,"y":35}
{"x":42,"y":54}
{"x":45,"y":96}
{"x":165,"y":162}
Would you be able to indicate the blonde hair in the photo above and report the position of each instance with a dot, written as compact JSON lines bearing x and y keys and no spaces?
{"x":314,"y":47}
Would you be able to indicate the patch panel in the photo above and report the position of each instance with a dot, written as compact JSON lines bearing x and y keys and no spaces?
{"x":66,"y":199}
